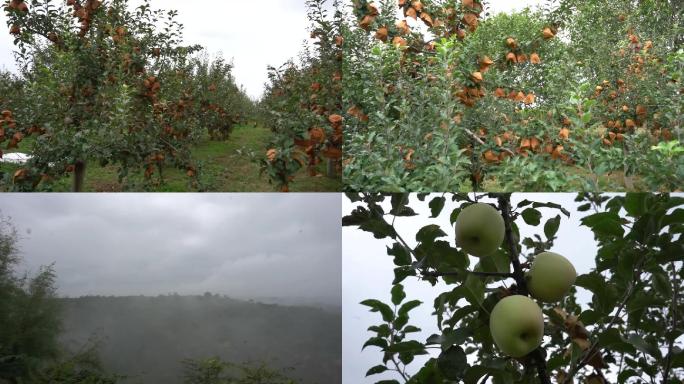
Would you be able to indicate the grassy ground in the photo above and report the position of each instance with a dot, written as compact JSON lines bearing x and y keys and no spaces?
{"x":223,"y":170}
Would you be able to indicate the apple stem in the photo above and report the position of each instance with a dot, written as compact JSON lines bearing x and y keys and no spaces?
{"x":505,"y":206}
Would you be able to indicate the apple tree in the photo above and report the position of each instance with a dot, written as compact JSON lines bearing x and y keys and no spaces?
{"x":510,"y":311}
{"x":442,"y":95}
{"x":218,"y":102}
{"x":103,"y":86}
{"x":303,"y":102}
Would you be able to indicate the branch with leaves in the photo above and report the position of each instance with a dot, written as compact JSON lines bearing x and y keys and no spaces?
{"x":638,"y":237}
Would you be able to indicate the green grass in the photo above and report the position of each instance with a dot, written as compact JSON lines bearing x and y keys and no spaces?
{"x":222,"y":170}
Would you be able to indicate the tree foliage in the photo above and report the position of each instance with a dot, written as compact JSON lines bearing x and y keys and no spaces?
{"x":108,"y":84}
{"x":630,"y":329}
{"x":303,"y":101}
{"x":448,"y":97}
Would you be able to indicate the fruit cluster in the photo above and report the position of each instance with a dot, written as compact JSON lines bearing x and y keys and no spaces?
{"x":7,"y":123}
{"x":84,"y":13}
{"x":152,"y":86}
{"x":627,"y":110}
{"x":16,"y":6}
{"x":517,"y":321}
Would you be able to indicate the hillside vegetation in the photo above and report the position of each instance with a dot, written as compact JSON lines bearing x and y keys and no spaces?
{"x":148,"y":338}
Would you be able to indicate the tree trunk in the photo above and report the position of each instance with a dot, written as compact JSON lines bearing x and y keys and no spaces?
{"x":332,"y":168}
{"x":79,"y":176}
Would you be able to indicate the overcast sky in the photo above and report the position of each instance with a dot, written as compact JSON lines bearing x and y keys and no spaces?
{"x":368,"y":274}
{"x":241,"y":245}
{"x":254,"y":33}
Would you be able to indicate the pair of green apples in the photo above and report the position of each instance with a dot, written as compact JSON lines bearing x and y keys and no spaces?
{"x":516,"y":322}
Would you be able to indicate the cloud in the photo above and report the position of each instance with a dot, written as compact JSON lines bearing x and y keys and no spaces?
{"x":242,"y":245}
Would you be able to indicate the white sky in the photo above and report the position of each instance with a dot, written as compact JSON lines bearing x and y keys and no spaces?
{"x":254,"y":33}
{"x":367,"y":273}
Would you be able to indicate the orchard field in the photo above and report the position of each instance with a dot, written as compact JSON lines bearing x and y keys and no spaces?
{"x":109,"y":98}
{"x":581,"y":95}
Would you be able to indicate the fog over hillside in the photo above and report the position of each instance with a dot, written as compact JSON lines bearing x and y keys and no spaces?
{"x":147,"y":338}
{"x":157,"y":279}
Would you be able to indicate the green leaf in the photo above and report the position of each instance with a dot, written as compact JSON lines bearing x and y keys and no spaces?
{"x":369,"y":222}
{"x":401,"y":254}
{"x":551,"y":227}
{"x":496,"y":262}
{"x":662,"y":284}
{"x":676,"y":217}
{"x":639,"y":343}
{"x":453,"y":363}
{"x":387,"y":382}
{"x":592,"y":282}
{"x":376,"y":370}
{"x":378,"y":306}
{"x":553,"y":206}
{"x":589,"y":317}
{"x":407,"y":346}
{"x":532,"y":216}
{"x":429,"y":233}
{"x":605,"y":223}
{"x":411,"y":329}
{"x":475,"y":373}
{"x":437,"y":205}
{"x":398,"y":294}
{"x":455,"y":337}
{"x":635,"y":204}
{"x":399,"y":205}
{"x":610,"y":337}
{"x":626,"y":374}
{"x":400,"y":321}
{"x":454,"y":215}
{"x":441,"y":252}
{"x":408,"y":307}
{"x":678,"y":359}
{"x":375,"y":342}
{"x":382,"y":330}
{"x":401,"y":273}
{"x":429,"y":374}
{"x":474,"y":289}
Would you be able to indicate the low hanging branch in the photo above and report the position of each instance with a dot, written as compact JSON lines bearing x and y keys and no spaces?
{"x":538,"y":356}
{"x":594,"y":349}
{"x":460,"y":273}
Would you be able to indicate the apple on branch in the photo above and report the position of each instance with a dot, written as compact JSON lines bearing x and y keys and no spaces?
{"x":550,"y":277}
{"x":517,"y":325}
{"x":480,"y":230}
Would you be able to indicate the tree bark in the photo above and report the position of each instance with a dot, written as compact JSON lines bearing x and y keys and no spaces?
{"x":79,"y":176}
{"x":537,"y":355}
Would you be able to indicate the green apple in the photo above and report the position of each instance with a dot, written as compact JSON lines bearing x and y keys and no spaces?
{"x":550,"y":277}
{"x":480,"y":230}
{"x":517,"y":325}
